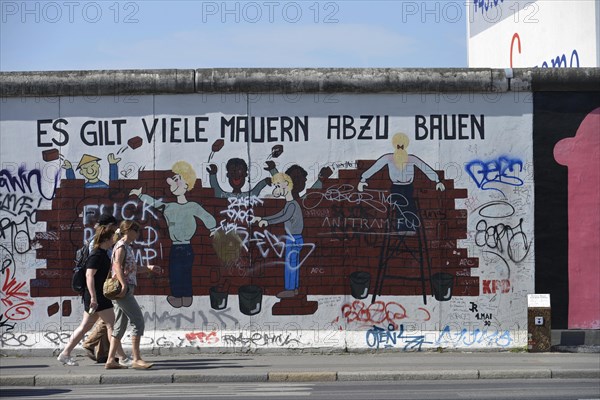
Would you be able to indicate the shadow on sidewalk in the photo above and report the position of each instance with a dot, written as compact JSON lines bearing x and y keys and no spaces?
{"x":24,"y":366}
{"x":188,"y":364}
{"x":32,"y":392}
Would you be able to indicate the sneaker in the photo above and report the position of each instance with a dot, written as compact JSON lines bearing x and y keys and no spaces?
{"x":126,"y":361}
{"x":66,"y":360}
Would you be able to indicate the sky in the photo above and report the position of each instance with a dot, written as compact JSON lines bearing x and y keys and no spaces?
{"x":95,"y":35}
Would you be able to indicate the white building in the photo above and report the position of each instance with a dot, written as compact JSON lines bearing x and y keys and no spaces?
{"x":533,"y":33}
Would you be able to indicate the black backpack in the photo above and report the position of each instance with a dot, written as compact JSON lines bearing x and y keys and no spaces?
{"x":78,"y":281}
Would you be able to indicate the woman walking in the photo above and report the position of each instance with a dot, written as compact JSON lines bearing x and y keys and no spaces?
{"x":96,"y":305}
{"x":127,"y":309}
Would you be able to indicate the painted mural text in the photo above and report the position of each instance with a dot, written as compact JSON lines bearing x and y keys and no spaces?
{"x":449,"y":127}
{"x":264,"y":129}
{"x":92,"y":132}
{"x":175,"y":130}
{"x":365,"y":127}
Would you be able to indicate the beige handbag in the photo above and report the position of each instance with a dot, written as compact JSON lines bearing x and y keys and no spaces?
{"x":111,"y":288}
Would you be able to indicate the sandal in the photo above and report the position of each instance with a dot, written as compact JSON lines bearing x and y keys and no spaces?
{"x":114,"y":365}
{"x":141,"y":364}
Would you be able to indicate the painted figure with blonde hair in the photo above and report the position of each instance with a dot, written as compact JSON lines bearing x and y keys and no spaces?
{"x":181,"y":219}
{"x":401,"y":168}
{"x":291,"y":217}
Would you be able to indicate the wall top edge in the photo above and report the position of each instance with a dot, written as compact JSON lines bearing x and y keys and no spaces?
{"x":293,"y":80}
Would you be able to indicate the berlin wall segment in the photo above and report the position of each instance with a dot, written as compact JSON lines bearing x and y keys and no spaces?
{"x":401,"y":239}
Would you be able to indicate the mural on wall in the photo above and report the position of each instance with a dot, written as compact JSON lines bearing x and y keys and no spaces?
{"x":320,"y":228}
{"x":567,"y":156}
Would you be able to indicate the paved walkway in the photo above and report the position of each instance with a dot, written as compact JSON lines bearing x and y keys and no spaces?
{"x":46,"y":371}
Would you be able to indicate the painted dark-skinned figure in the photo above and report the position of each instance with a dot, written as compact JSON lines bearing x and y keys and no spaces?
{"x":237,"y":172}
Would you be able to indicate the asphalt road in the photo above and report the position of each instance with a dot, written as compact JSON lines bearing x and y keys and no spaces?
{"x":517,"y":389}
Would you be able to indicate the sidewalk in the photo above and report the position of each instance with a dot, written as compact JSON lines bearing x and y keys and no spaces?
{"x":244,"y":367}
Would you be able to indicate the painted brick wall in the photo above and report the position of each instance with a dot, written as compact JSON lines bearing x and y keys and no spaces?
{"x":358,"y":244}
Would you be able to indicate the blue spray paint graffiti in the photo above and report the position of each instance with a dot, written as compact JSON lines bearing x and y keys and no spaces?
{"x":380,"y":338}
{"x":22,"y":182}
{"x":502,"y":170}
{"x":477,"y":336}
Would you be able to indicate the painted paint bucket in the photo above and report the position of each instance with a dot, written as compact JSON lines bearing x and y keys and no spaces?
{"x":250,"y":297}
{"x":359,"y":284}
{"x":442,"y":283}
{"x":218,"y":298}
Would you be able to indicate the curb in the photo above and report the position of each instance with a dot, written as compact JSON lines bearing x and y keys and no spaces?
{"x":516,"y":374}
{"x":302,"y":376}
{"x":407,"y":375}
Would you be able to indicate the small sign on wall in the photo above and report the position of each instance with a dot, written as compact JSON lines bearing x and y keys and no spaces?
{"x":538,"y":300}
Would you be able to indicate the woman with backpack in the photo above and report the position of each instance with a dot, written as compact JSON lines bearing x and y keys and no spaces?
{"x":96,"y":305}
{"x":127,"y":309}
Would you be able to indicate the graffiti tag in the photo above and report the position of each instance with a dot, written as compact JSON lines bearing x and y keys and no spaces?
{"x":501,"y":171}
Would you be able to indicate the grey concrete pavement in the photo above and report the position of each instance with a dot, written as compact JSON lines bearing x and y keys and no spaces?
{"x":193,"y":368}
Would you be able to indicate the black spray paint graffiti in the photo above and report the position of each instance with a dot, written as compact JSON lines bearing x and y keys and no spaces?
{"x":19,"y":205}
{"x":481,"y":316}
{"x":261,"y":339}
{"x":179,"y":321}
{"x":503,"y":238}
{"x":10,"y":339}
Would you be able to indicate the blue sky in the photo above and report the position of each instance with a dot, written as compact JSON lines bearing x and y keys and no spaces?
{"x":80,"y":35}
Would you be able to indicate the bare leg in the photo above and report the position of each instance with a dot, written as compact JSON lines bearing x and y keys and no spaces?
{"x":86,"y":324}
{"x":108,"y":317}
{"x":138,"y":363}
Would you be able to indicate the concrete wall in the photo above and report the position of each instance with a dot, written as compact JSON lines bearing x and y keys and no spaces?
{"x":448,"y":266}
